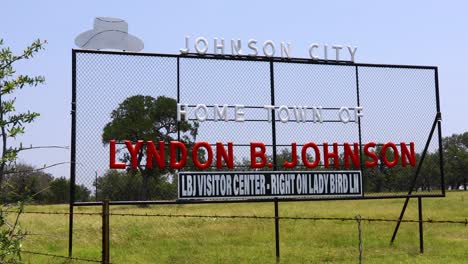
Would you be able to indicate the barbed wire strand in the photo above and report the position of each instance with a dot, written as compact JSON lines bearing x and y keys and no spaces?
{"x":430,"y":221}
{"x":58,"y":256}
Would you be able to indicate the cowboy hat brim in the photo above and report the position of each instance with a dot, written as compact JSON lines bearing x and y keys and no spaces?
{"x":109,"y":39}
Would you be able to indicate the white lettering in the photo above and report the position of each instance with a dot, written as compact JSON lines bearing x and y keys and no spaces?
{"x":252,"y":44}
{"x":228,"y":185}
{"x":337,"y":51}
{"x":272,"y":48}
{"x":201,"y":115}
{"x":285,"y":50}
{"x":189,"y":185}
{"x":219,"y":46}
{"x":325,"y":182}
{"x":236,"y":184}
{"x":182,"y":112}
{"x":317,"y":114}
{"x":332,"y":183}
{"x":283,"y":109}
{"x":347,"y":114}
{"x":358,"y":113}
{"x":184,"y":191}
{"x":221,"y":113}
{"x":300,"y":113}
{"x":273,"y":184}
{"x":239,"y":113}
{"x":186,"y":49}
{"x":299,"y":185}
{"x":325,"y":52}
{"x":352,"y":52}
{"x":311,"y":51}
{"x":203,"y":48}
{"x":270,"y":109}
{"x":236,"y":48}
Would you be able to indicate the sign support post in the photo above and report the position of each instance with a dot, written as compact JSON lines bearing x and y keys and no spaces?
{"x":105,"y":232}
{"x":277,"y":231}
{"x":273,"y":127}
{"x":421,"y":238}
{"x":72,"y":157}
{"x":413,"y":184}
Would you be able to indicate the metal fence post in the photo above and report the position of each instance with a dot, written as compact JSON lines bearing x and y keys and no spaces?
{"x":277,"y":244}
{"x":105,"y":232}
{"x":72,"y":157}
{"x":359,"y":220}
{"x":421,"y":238}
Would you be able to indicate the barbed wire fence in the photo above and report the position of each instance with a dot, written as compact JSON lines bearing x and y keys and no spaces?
{"x":61,"y":257}
{"x":358,"y":219}
{"x":362,"y":219}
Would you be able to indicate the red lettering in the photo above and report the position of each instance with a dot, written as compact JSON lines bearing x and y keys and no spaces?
{"x":406,"y":155}
{"x":306,"y":162}
{"x":195,"y":158}
{"x":371,"y":154}
{"x":384,"y":154}
{"x":327,"y":155}
{"x":173,"y":147}
{"x":113,"y":164}
{"x":152,"y":152}
{"x":254,"y":154}
{"x":221,"y":154}
{"x":353,"y":154}
{"x":293,"y":162}
{"x":134,"y":151}
{"x":178,"y":155}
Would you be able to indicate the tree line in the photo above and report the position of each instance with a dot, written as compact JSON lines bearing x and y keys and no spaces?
{"x":127,"y":185}
{"x":26,"y":183}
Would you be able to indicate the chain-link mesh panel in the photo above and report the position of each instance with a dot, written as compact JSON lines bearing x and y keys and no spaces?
{"x":116,"y":94}
{"x":400,"y":106}
{"x":103,"y":82}
{"x":215,"y":82}
{"x":327,"y":86}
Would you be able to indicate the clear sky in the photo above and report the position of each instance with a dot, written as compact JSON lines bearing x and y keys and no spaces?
{"x":395,"y":32}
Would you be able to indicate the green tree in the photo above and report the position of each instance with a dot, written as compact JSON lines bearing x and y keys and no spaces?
{"x":382,"y":178}
{"x":58,"y":192}
{"x":455,"y":151}
{"x":27,"y":183}
{"x":12,"y":123}
{"x":124,"y":185}
{"x":24,"y":182}
{"x":147,"y":118}
{"x":118,"y":185}
{"x":429,"y":177}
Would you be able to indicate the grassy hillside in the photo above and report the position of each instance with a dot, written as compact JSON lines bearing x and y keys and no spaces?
{"x":214,"y":240}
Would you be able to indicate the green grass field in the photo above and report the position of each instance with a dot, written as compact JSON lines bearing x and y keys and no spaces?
{"x":214,"y":240}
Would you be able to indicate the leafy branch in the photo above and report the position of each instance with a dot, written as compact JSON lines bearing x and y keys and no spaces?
{"x":12,"y":123}
{"x":13,"y":171}
{"x":11,"y":236}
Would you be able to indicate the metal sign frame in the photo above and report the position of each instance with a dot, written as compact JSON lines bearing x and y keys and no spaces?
{"x":436,"y":126}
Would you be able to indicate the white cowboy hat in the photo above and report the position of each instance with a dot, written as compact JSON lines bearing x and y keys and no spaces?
{"x":109,"y":33}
